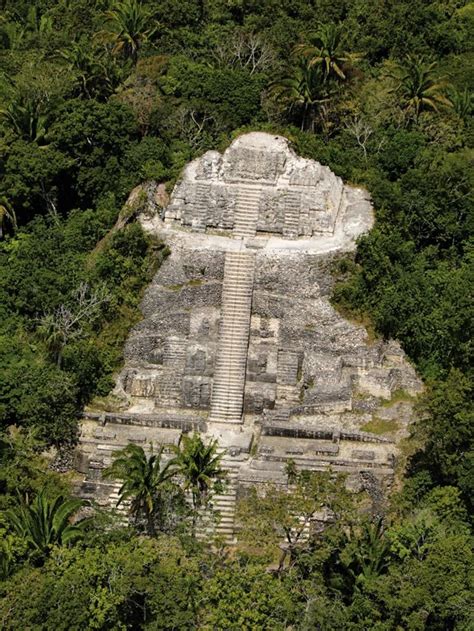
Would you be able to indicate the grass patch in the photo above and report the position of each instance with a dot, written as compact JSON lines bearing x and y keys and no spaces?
{"x":380,"y":426}
{"x":196,"y":282}
{"x":109,"y":403}
{"x":399,"y":396}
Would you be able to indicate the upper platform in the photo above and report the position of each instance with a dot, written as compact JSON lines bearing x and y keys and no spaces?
{"x":259,"y":187}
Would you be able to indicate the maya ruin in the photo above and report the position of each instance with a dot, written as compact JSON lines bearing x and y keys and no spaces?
{"x":239,"y":340}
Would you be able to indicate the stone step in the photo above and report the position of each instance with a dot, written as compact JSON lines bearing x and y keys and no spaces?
{"x":229,"y":293}
{"x":232,"y":318}
{"x":228,"y":401}
{"x":238,"y":275}
{"x":230,"y":349}
{"x":230,"y":355}
{"x":231,"y":324}
{"x":230,"y":494}
{"x":226,"y":510}
{"x":232,"y":386}
{"x":240,"y":298}
{"x":236,"y":310}
{"x":226,"y":369}
{"x":228,"y":334}
{"x":225,"y":404}
{"x":226,"y":503}
{"x":238,"y":264}
{"x":227,"y":372}
{"x":227,"y":363}
{"x":238,"y":271}
{"x":224,"y":411}
{"x":229,"y":390}
{"x":223,"y":399}
{"x":231,"y":337}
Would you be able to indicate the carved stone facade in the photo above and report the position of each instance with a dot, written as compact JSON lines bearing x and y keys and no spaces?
{"x":238,"y":337}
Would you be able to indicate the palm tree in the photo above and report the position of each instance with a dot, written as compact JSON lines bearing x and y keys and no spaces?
{"x":371,"y":553}
{"x":27,"y":116}
{"x":362,"y":556}
{"x":144,"y":479}
{"x":12,"y":34}
{"x":6,"y":214}
{"x":80,"y":59}
{"x":301,"y":87}
{"x":462,"y":102}
{"x":127,"y":27}
{"x":200,"y":466}
{"x":325,"y":51}
{"x":97,"y":74}
{"x":45,"y":522}
{"x":419,"y":88}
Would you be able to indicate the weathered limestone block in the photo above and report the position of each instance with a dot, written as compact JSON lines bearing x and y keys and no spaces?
{"x":335,"y":397}
{"x":262,"y":363}
{"x":378,"y":382}
{"x":264,"y":328}
{"x":242,"y":162}
{"x":258,"y":396}
{"x":271,"y":212}
{"x":199,"y":360}
{"x":197,"y":391}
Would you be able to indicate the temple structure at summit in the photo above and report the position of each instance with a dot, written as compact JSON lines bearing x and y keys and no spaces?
{"x":239,"y":339}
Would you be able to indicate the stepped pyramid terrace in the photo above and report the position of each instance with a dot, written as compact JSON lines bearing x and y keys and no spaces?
{"x":239,"y":340}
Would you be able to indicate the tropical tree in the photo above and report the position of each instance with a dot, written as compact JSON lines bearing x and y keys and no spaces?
{"x":462,"y":102}
{"x":7,"y":214}
{"x":12,"y":34}
{"x":144,"y":480}
{"x":200,"y":466}
{"x":27,"y":116}
{"x":302,"y":89}
{"x":127,"y":26}
{"x":81,"y":60}
{"x":324,"y":50}
{"x":362,"y":557}
{"x":419,"y":87}
{"x":66,"y":323}
{"x":281,"y":519}
{"x":46,"y":522}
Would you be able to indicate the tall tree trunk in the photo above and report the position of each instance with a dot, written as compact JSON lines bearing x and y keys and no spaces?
{"x":150,"y":523}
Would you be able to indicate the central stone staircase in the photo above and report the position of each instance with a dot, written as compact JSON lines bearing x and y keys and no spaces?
{"x":231,"y":361}
{"x":225,"y":504}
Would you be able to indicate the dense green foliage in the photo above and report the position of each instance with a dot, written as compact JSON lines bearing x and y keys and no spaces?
{"x":413,"y":573}
{"x":97,"y":96}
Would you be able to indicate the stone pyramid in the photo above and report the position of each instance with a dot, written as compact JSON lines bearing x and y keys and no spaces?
{"x":239,"y":339}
